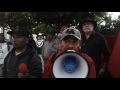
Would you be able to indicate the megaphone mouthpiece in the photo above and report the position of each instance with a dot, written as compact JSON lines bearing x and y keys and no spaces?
{"x":70,"y":64}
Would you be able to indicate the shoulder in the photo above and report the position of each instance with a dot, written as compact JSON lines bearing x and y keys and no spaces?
{"x":36,"y":56}
{"x":57,"y":38}
{"x":99,"y":35}
{"x":35,"y":59}
{"x":45,"y":42}
{"x":88,"y":58}
{"x":54,"y":55}
{"x":85,"y":55}
{"x":8,"y":56}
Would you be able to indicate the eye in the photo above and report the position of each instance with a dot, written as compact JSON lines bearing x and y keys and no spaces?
{"x":76,"y":42}
{"x":65,"y":41}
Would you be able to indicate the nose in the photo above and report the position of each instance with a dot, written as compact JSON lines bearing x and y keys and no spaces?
{"x":70,"y":45}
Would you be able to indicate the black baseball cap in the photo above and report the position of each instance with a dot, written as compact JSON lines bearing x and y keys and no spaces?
{"x":20,"y":32}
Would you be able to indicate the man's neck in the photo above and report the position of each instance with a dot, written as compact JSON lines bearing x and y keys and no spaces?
{"x":88,"y":35}
{"x":21,"y":49}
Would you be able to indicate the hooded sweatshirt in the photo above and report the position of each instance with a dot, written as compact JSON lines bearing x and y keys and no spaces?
{"x":12,"y":62}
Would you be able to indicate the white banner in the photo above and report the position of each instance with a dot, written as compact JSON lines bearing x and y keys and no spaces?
{"x":3,"y":52}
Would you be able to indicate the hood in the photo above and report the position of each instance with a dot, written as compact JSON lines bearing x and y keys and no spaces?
{"x":30,"y":49}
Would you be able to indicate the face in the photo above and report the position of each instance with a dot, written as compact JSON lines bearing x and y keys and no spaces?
{"x":49,"y":37}
{"x":63,"y":28}
{"x":88,"y":27}
{"x":39,"y":38}
{"x":19,"y":41}
{"x":70,"y":42}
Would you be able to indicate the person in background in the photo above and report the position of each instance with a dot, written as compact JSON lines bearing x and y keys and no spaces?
{"x":59,"y":37}
{"x":61,"y":30}
{"x":50,"y":46}
{"x":39,"y":44}
{"x":94,"y":45}
{"x":4,"y":49}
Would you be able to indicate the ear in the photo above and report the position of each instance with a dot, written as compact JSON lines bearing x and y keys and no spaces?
{"x":80,"y":47}
{"x":60,"y":43}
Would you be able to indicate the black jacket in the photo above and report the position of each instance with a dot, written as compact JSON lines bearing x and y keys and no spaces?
{"x":94,"y":46}
{"x":12,"y":62}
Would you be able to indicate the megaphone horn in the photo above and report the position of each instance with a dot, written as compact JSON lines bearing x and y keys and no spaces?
{"x":70,"y":65}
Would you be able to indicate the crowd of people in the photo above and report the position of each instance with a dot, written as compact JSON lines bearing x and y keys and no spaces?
{"x":30,"y":59}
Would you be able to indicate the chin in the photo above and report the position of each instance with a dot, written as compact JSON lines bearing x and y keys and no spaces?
{"x":16,"y":46}
{"x":87,"y":31}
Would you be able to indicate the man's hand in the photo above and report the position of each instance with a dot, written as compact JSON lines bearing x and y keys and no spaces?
{"x":101,"y":72}
{"x":27,"y":75}
{"x":20,"y":75}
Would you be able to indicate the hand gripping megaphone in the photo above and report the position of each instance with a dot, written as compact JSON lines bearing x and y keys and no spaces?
{"x":70,"y":65}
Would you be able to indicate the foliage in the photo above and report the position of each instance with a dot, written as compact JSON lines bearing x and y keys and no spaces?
{"x":111,"y":27}
{"x":52,"y":21}
{"x":23,"y":19}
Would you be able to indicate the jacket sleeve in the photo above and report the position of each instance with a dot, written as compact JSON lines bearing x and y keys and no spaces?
{"x":105,"y":49}
{"x":48,"y":68}
{"x":35,"y":67}
{"x":92,"y":71}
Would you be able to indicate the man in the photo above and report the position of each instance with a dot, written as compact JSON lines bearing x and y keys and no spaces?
{"x":4,"y":49}
{"x":50,"y":46}
{"x":61,"y":30}
{"x":59,"y":36}
{"x":70,"y":39}
{"x":22,"y":61}
{"x":94,"y":44}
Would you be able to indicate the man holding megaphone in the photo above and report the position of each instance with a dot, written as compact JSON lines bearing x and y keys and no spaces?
{"x":68,"y":62}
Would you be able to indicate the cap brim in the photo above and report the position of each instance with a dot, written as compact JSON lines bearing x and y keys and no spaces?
{"x":94,"y":23}
{"x":10,"y":32}
{"x":70,"y":35}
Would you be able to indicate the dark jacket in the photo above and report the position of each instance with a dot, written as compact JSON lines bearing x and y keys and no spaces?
{"x":12,"y":62}
{"x":94,"y":46}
